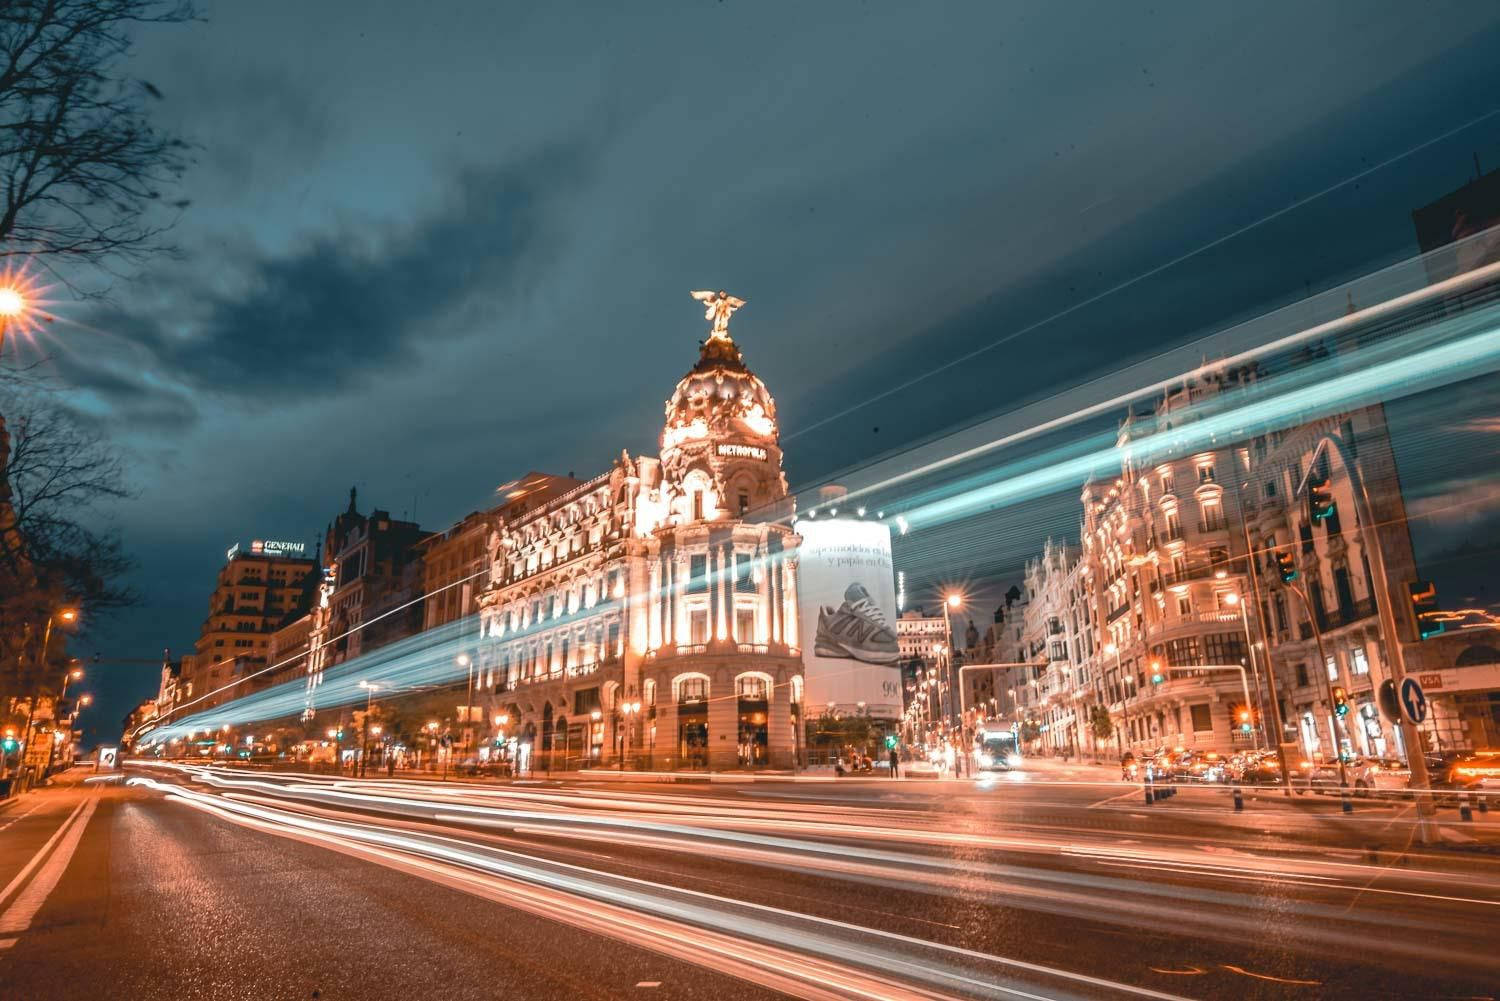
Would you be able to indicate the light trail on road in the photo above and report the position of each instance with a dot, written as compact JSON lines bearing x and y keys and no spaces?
{"x":1087,"y":876}
{"x":730,"y":936}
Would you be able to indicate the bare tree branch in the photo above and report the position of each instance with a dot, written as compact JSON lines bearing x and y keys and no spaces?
{"x":82,"y":170}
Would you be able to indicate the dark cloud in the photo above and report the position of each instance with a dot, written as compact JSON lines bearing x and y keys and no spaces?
{"x":343,"y":304}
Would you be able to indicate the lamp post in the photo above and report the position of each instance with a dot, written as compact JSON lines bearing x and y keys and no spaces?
{"x":465,"y":661}
{"x":1238,"y":603}
{"x":1339,"y":735}
{"x":364,"y":750}
{"x":954,"y":600}
{"x":1113,"y":648}
{"x":627,"y":711}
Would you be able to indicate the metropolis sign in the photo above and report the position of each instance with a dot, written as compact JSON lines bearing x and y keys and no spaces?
{"x":742,"y":451}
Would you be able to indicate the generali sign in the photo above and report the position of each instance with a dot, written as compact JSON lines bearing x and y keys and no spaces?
{"x":273,"y":547}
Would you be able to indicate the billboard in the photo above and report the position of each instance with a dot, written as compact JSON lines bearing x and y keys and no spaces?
{"x":846,"y":598}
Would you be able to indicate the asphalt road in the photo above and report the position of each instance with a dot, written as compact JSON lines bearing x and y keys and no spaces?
{"x":219,"y":884}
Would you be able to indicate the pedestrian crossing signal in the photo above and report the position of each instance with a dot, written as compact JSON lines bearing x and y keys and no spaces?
{"x":890,"y":740}
{"x":1340,"y":702}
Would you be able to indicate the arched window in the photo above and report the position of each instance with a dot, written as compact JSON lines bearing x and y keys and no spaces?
{"x":752,"y":687}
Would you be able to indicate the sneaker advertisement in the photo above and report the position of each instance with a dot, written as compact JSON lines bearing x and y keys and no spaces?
{"x":847,"y":599}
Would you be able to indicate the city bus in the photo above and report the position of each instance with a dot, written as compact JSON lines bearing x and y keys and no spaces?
{"x":998,"y":751}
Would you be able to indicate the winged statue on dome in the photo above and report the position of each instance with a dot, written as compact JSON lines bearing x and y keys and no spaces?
{"x":721,"y":306}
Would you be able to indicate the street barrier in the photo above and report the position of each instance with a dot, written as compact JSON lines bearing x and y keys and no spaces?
{"x":1465,"y":811}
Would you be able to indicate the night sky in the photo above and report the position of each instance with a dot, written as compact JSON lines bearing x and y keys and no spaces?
{"x":431,"y":247}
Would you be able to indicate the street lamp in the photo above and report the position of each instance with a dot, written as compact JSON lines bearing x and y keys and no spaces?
{"x":364,"y":752}
{"x":1234,"y":600}
{"x":1113,"y":648}
{"x":951,"y":602}
{"x":628,"y":710}
{"x":465,"y":661}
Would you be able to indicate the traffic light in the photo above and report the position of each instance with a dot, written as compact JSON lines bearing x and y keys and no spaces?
{"x":890,"y":740}
{"x":1425,"y":611}
{"x":1320,"y":506}
{"x":1340,"y":702}
{"x":1285,"y":566}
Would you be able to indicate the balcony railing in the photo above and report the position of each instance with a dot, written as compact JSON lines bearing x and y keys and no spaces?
{"x":1334,"y":618}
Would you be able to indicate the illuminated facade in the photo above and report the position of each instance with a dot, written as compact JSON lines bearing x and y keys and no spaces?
{"x":371,"y":590}
{"x":1175,"y":590}
{"x":649,"y":615}
{"x":252,"y":595}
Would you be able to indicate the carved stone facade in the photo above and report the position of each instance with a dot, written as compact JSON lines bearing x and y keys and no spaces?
{"x":648,"y":616}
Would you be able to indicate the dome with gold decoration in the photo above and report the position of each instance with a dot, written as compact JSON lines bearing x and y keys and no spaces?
{"x":720,"y":395}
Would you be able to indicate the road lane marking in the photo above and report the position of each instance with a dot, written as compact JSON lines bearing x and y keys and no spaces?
{"x":18,"y":917}
{"x":1132,"y":794}
{"x":36,"y":859}
{"x":20,"y":817}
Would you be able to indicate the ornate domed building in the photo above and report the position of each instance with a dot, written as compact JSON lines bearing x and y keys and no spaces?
{"x":650,"y":614}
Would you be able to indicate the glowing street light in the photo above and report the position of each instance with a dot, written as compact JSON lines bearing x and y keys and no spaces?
{"x":628,"y":710}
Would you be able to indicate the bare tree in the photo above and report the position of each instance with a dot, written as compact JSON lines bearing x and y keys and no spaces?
{"x":82,"y":169}
{"x":59,"y":471}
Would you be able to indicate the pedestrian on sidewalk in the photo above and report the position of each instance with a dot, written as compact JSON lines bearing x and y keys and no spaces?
{"x":895,"y":764}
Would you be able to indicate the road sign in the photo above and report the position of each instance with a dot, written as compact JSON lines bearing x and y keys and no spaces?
{"x":1413,"y":701}
{"x":1387,"y":699}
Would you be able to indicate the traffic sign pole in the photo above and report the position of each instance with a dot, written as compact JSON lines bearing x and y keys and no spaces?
{"x":1394,"y":656}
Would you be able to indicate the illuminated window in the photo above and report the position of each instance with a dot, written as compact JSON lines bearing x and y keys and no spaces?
{"x":752,"y":688}
{"x":1358,"y":662}
{"x":697,"y":574}
{"x":1333,"y":668}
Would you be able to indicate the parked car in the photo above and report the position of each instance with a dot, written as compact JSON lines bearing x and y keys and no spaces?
{"x":1256,"y":768}
{"x":1316,"y":775}
{"x":1379,"y":776}
{"x":1454,"y":772}
{"x":1206,"y":766}
{"x":1170,"y":766}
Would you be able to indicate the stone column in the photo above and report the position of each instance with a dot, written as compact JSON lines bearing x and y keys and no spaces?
{"x":664,"y":754}
{"x":723,"y":723}
{"x":779,"y":736}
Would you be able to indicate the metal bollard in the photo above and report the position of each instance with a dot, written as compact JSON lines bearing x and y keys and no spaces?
{"x":1345,"y":803}
{"x":1483,"y":803}
{"x":1239,"y":800}
{"x":1465,"y":811}
{"x":1149,"y":790}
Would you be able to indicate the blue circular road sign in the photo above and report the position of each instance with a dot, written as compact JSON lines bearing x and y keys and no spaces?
{"x":1413,"y":701}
